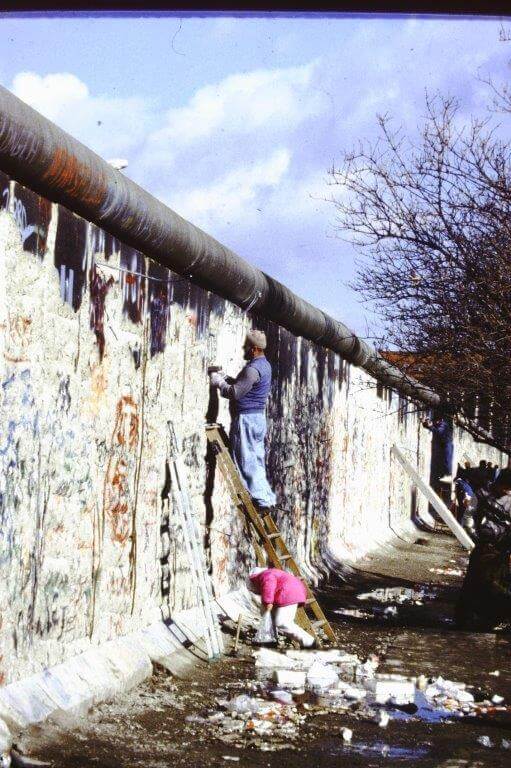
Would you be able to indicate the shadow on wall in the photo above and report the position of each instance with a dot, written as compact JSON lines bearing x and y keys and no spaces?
{"x":305,"y":381}
{"x":210,"y":459}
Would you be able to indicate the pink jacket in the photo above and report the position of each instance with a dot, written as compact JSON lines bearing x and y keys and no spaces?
{"x":279,"y":587}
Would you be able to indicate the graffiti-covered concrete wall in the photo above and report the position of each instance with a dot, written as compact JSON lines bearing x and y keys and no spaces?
{"x":99,"y":348}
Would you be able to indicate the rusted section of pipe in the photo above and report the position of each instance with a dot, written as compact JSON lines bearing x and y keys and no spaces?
{"x":45,"y":158}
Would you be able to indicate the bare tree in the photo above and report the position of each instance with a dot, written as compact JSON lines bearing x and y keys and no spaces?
{"x":433,"y":217}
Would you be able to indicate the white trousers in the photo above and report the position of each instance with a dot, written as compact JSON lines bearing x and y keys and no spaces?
{"x":284,"y":620}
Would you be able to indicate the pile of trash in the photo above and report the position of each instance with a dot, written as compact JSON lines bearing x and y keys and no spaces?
{"x":251,"y":720}
{"x":386,"y":602}
{"x":295,"y":685}
{"x":399,"y":595}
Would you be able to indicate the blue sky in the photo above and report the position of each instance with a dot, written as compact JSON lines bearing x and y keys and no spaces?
{"x":234,"y":122}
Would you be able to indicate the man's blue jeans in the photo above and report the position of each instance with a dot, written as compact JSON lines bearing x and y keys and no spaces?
{"x":248,"y":431}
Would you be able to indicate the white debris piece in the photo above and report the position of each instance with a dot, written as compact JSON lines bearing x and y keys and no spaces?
{"x":368,"y":668}
{"x":485,"y":741}
{"x":384,"y":719}
{"x":354,"y":613}
{"x":448,"y":689}
{"x":505,"y":744}
{"x":321,"y":676}
{"x":447,"y":571}
{"x":332,"y":656}
{"x":284,"y":697}
{"x":496,"y":699}
{"x":398,"y":595}
{"x":392,"y":691}
{"x":347,"y":734}
{"x":267,"y":658}
{"x":290,"y":678}
{"x":495,"y":673}
{"x":356,"y":694}
{"x":243,"y":703}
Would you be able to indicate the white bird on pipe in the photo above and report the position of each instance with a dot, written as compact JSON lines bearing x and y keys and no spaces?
{"x":119,"y":163}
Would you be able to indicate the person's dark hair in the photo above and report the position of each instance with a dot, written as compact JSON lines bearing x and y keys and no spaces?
{"x":483,"y":464}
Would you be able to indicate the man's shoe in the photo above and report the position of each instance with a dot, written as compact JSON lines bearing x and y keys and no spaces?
{"x":264,"y":510}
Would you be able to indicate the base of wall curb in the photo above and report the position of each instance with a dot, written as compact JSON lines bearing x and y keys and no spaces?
{"x":68,"y":690}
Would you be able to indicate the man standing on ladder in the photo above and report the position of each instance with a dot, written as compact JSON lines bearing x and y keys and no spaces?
{"x":248,"y":393}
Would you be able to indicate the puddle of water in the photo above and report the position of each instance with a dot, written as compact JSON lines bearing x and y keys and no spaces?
{"x":391,"y":751}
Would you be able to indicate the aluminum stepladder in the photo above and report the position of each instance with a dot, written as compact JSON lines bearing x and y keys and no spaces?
{"x":192,"y":540}
{"x":265,"y":534}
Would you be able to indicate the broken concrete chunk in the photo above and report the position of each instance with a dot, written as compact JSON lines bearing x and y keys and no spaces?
{"x":290,"y":678}
{"x":267,"y":658}
{"x":332,"y":656}
{"x":284,"y":697}
{"x":391,"y":691}
{"x":321,"y":676}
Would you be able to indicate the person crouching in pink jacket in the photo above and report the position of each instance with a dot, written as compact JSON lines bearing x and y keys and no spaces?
{"x":281,"y":593}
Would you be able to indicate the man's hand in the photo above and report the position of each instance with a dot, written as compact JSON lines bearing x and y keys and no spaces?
{"x":215,"y":379}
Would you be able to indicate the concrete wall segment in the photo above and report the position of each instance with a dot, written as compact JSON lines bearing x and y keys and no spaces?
{"x":95,"y":357}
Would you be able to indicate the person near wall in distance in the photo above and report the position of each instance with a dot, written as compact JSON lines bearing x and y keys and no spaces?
{"x":442,"y":448}
{"x":248,"y":394}
{"x":281,"y":593}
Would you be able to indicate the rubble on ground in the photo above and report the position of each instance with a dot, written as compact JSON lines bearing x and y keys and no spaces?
{"x":399,"y":595}
{"x":292,"y":687}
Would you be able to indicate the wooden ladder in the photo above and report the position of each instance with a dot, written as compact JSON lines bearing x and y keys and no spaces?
{"x":266,"y":535}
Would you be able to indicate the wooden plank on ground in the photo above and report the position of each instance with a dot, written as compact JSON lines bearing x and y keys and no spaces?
{"x":434,"y":499}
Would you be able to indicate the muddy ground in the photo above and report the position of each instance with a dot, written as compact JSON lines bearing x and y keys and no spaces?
{"x":149,"y":726}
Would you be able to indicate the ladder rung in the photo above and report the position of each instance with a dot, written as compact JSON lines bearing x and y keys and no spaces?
{"x":265,"y":528}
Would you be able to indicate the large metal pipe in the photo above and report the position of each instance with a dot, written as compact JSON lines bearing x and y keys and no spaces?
{"x":45,"y":158}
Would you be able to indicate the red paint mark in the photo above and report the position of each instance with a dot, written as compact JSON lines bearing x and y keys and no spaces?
{"x":117,"y":489}
{"x":99,"y":288}
{"x":127,"y":422}
{"x":65,"y":171}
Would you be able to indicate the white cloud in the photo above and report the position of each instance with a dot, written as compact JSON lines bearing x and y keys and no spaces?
{"x":234,"y":196}
{"x":50,"y":95}
{"x":110,"y":126}
{"x":243,"y":103}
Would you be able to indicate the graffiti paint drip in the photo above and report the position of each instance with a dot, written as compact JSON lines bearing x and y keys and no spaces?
{"x":71,"y":257}
{"x":98,"y":288}
{"x":159,"y":306}
{"x":31,"y":213}
{"x":133,"y":283}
